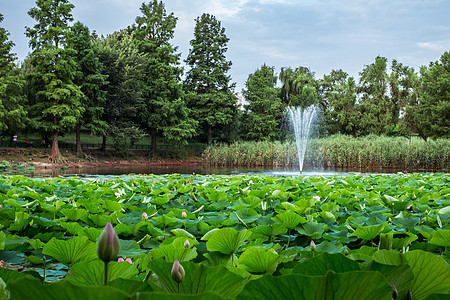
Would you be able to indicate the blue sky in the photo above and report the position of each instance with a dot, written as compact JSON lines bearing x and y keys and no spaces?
{"x":322,"y":35}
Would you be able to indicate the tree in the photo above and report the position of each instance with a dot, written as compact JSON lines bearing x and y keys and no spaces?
{"x":123,"y":64}
{"x":210,"y":92}
{"x":163,"y":109}
{"x":432,"y":111}
{"x":339,"y":100}
{"x":379,"y":113}
{"x":89,"y":78}
{"x":299,"y":87}
{"x":264,"y":108}
{"x":12,"y":100}
{"x":56,"y":103}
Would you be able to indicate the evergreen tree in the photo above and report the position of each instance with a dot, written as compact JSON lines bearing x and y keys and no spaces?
{"x":163,"y":108}
{"x":56,"y":104}
{"x":264,"y":108}
{"x":339,"y":96}
{"x":379,"y":113}
{"x":12,"y":101}
{"x":210,"y":92}
{"x":89,"y":78}
{"x":431,"y":113}
{"x":123,"y":64}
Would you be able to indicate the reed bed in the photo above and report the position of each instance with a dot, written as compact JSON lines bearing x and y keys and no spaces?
{"x":337,"y":151}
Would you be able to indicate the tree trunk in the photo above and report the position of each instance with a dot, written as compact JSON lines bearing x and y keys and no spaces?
{"x":103,"y":147}
{"x":153,"y":142}
{"x":209,"y":138}
{"x":55,"y":155}
{"x":78,"y":140}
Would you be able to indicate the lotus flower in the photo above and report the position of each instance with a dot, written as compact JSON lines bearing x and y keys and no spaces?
{"x":108,"y":244}
{"x":312,"y":245}
{"x":317,"y":198}
{"x":120,"y":259}
{"x":186,"y":244}
{"x":144,"y":216}
{"x":183,"y":215}
{"x":177,"y":271}
{"x":129,"y":260}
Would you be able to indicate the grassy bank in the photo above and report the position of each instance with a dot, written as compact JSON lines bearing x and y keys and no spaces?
{"x":338,"y":151}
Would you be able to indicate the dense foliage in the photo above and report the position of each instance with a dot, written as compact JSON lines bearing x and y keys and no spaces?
{"x":243,"y":237}
{"x":130,"y":83}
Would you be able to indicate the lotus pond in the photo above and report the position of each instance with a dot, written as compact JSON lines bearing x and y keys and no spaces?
{"x":237,"y":237}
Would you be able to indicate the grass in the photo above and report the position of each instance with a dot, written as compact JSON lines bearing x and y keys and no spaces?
{"x":338,"y":151}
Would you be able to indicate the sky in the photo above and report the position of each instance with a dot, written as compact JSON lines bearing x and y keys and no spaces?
{"x":323,"y":35}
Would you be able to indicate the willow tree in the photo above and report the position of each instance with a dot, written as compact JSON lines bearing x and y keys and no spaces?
{"x":163,"y":109}
{"x":210,"y":88}
{"x":299,"y":87}
{"x":56,"y":102}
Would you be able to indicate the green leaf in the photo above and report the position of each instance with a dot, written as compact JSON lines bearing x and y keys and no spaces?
{"x":131,"y":286}
{"x":78,"y":249}
{"x":325,"y":262}
{"x":74,"y":214}
{"x":175,"y":250}
{"x":368,"y":233}
{"x":259,"y":260}
{"x":441,"y":238}
{"x":31,"y":289}
{"x":227,"y":240}
{"x":431,"y":273}
{"x":289,"y":219}
{"x":247,"y":215}
{"x":129,"y":248}
{"x":350,"y":285}
{"x":400,"y":276}
{"x":164,"y":296}
{"x":198,"y":279}
{"x":93,"y":273}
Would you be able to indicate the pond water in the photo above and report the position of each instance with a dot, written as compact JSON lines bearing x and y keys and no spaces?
{"x":189,"y":169}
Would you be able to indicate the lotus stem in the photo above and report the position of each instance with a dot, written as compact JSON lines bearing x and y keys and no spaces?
{"x":106,"y":273}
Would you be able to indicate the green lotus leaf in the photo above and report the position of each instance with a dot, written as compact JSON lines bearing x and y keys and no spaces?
{"x":259,"y":260}
{"x":21,"y":221}
{"x":163,"y":296}
{"x":406,"y":222}
{"x":31,"y":289}
{"x":182,"y":232}
{"x":400,"y":276}
{"x":368,"y":233}
{"x":350,"y":285}
{"x":247,"y":215}
{"x":312,"y":229}
{"x":198,"y":279}
{"x":431,"y":273}
{"x":175,"y":250}
{"x":131,"y":286}
{"x":289,"y":219}
{"x":441,"y":238}
{"x":126,"y":230}
{"x":93,"y":273}
{"x":270,"y":230}
{"x":74,"y":214}
{"x":218,"y":258}
{"x":2,"y":240}
{"x":164,"y":221}
{"x":129,"y":248}
{"x":226,"y":240}
{"x":325,"y":262}
{"x":78,"y":249}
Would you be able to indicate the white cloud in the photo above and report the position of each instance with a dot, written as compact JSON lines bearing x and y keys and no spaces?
{"x":431,"y":46}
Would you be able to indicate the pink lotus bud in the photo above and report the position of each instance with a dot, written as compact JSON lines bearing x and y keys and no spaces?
{"x":177,"y":271}
{"x":186,"y":244}
{"x":183,"y":214}
{"x":312,"y":245}
{"x":144,"y":216}
{"x":317,"y":198}
{"x":129,"y":260}
{"x":120,"y":259}
{"x":108,"y":244}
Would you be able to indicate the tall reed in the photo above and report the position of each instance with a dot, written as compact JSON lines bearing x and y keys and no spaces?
{"x":337,"y":151}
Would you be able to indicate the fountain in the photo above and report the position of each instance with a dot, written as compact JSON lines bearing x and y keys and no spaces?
{"x":300,"y":121}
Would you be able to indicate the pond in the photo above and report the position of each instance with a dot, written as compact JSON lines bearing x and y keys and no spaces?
{"x":188,"y":169}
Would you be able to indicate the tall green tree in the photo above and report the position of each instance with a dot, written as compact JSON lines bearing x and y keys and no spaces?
{"x":210,"y":92}
{"x":379,"y":113}
{"x":339,"y":97}
{"x":163,"y":108}
{"x":264,"y":110}
{"x":299,"y":87}
{"x":56,"y":103}
{"x":89,"y":78}
{"x":12,"y":100}
{"x":123,"y":64}
{"x":432,"y":111}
